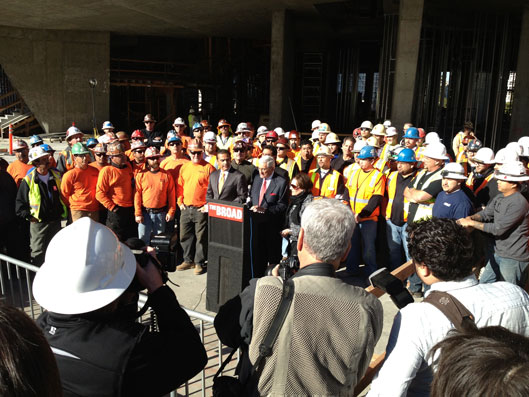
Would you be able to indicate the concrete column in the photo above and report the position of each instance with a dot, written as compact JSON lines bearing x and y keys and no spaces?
{"x":281,"y":70}
{"x":520,"y":115}
{"x":408,"y":39}
{"x":51,"y":68}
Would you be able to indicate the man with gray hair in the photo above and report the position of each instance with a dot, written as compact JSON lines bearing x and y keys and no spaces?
{"x":327,"y":339}
{"x":268,"y":204}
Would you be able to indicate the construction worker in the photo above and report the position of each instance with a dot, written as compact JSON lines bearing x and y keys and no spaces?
{"x":108,"y":133}
{"x":242,"y":130}
{"x":115,"y":190}
{"x":294,"y":143}
{"x":333,"y":143}
{"x":123,"y":138}
{"x":66,"y":161}
{"x":35,"y":140}
{"x":323,"y":130}
{"x":138,"y":153}
{"x":346,"y":157}
{"x":39,"y":201}
{"x":78,"y":187}
{"x":191,"y":192}
{"x":306,"y":160}
{"x":179,"y":127}
{"x":472,"y":149}
{"x":366,"y":189}
{"x":462,"y":156}
{"x":149,"y":131}
{"x":365,"y":130}
{"x":100,"y":153}
{"x":176,"y":159}
{"x":20,"y":167}
{"x":479,"y":180}
{"x":198,"y":131}
{"x":395,"y":214}
{"x":206,"y":125}
{"x":411,"y":139}
{"x":453,"y":202}
{"x":155,"y":197}
{"x":379,"y":132}
{"x":210,"y":148}
{"x":271,"y":138}
{"x":390,"y":142}
{"x":421,"y":194}
{"x":224,"y":138}
{"x":137,"y":136}
{"x":463,"y":137}
{"x":358,"y":146}
{"x":283,"y":160}
{"x":524,"y":143}
{"x":259,"y":141}
{"x":241,"y":164}
{"x":326,"y":182}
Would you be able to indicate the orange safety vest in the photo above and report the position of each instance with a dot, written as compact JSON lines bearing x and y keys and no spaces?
{"x":470,"y":182}
{"x":360,"y":191}
{"x":313,"y":164}
{"x":330,"y":183}
{"x":349,"y":169}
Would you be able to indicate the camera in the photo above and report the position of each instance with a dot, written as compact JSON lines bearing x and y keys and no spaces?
{"x":287,"y":267}
{"x":138,"y":248}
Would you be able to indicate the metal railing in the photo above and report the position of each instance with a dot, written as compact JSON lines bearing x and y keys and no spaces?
{"x":15,"y":289}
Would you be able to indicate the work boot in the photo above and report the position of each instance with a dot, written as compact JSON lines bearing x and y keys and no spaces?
{"x":185,"y":266}
{"x":199,"y":269}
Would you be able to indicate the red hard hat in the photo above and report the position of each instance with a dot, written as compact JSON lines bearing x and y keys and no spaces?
{"x":152,"y":152}
{"x":422,"y":133}
{"x":271,"y":134}
{"x":356,"y":133}
{"x":137,"y":134}
{"x":293,"y":135}
{"x":283,"y":141}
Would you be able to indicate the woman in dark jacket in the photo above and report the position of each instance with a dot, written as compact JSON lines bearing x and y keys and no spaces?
{"x":300,"y":187}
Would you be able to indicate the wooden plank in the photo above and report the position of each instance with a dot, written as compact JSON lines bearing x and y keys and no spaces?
{"x":374,"y":366}
{"x":402,"y":273}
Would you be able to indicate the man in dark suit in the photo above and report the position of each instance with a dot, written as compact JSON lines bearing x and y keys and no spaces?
{"x":227,"y":183}
{"x":268,"y":204}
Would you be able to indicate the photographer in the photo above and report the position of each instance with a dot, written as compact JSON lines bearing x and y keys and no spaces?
{"x":91,"y":298}
{"x":323,"y":308}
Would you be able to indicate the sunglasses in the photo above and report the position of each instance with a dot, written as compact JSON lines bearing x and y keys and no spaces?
{"x":239,"y":150}
{"x":281,"y":148}
{"x":224,"y":126}
{"x":365,"y":129}
{"x":270,"y":140}
{"x":100,"y":154}
{"x":195,"y":153}
{"x":139,"y":151}
{"x":149,"y":122}
{"x":175,"y":143}
{"x":293,"y":186}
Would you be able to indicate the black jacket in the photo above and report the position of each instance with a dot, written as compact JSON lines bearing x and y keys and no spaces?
{"x":118,"y":356}
{"x":51,"y":208}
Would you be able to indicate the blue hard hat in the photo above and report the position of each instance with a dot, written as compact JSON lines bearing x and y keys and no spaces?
{"x":47,"y":148}
{"x":367,"y":152}
{"x":412,"y":133}
{"x":197,"y":126}
{"x":174,"y":138}
{"x":407,"y":156}
{"x":474,"y":145}
{"x":91,"y":141}
{"x":35,"y":139}
{"x":107,"y":124}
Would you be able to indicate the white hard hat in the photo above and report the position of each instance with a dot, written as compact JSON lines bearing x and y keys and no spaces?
{"x":179,"y":121}
{"x":262,"y":130}
{"x":379,"y":129}
{"x":367,"y":124}
{"x":279,"y":131}
{"x":315,"y":124}
{"x":431,"y":137}
{"x":315,"y":135}
{"x":453,"y":171}
{"x":37,"y":153}
{"x":108,"y":125}
{"x":372,"y":141}
{"x":85,"y":269}
{"x":72,"y":131}
{"x":516,"y":147}
{"x":524,"y":143}
{"x":19,"y":144}
{"x":387,"y":123}
{"x":391,"y":131}
{"x":359,"y":145}
{"x":435,"y":150}
{"x":506,"y":156}
{"x":324,"y":151}
{"x":242,"y":127}
{"x":332,"y":138}
{"x":484,"y":155}
{"x":210,"y":137}
{"x":513,"y":171}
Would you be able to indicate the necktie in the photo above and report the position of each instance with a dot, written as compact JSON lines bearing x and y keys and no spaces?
{"x":262,"y":193}
{"x":221,"y":182}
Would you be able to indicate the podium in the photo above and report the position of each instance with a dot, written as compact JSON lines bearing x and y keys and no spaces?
{"x":228,"y":252}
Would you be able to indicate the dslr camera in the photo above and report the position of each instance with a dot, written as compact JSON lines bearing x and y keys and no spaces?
{"x":287,"y":267}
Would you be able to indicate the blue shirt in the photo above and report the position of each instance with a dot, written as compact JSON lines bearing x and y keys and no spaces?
{"x":455,"y":205}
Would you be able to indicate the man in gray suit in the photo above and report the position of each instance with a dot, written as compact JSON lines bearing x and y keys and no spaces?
{"x":227,"y":183}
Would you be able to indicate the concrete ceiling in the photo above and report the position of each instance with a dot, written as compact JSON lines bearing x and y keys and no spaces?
{"x":182,"y":18}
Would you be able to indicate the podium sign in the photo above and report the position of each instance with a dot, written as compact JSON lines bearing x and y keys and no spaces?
{"x":228,"y":252}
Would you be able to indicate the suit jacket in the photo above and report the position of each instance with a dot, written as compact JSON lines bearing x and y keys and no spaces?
{"x":235,"y":187}
{"x":275,"y":199}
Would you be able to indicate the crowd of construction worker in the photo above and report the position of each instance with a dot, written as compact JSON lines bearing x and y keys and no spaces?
{"x":152,"y":182}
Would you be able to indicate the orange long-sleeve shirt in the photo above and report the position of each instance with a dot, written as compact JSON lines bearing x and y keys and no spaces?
{"x":137,"y":167}
{"x":193,"y":183}
{"x":172,"y":166}
{"x":115,"y":187}
{"x":18,"y":170}
{"x":154,"y":190}
{"x":78,"y":188}
{"x":96,"y":165}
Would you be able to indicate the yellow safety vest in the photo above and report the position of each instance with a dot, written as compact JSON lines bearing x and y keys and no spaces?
{"x":69,"y":161}
{"x":213,"y":161}
{"x":425,"y":208}
{"x":330,"y":183}
{"x":288,"y":166}
{"x":391,"y":188}
{"x":34,"y":194}
{"x":361,"y":192}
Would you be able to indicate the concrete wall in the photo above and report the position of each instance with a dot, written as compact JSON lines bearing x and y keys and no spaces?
{"x":520,"y":114}
{"x":51,"y":68}
{"x":409,"y":36}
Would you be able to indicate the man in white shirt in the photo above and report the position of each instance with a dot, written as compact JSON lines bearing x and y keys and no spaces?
{"x":442,"y":252}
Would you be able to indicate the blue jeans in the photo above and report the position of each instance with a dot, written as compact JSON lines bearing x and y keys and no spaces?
{"x":416,"y":284}
{"x":396,"y":236}
{"x":363,"y":241}
{"x":499,"y":268}
{"x":152,"y":224}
